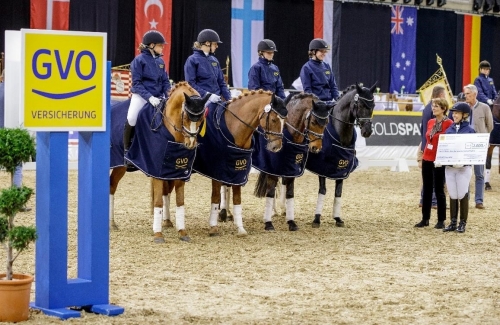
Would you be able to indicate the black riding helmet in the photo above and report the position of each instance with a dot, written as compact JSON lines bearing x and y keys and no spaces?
{"x":208,"y":35}
{"x":461,"y":97}
{"x":154,"y":37}
{"x":318,"y":44}
{"x":461,"y":107}
{"x":484,"y":64}
{"x":266,"y":45}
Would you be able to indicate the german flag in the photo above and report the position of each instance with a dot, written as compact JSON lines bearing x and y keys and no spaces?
{"x":471,"y":38}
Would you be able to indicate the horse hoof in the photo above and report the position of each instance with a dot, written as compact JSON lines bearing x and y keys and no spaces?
{"x":269,"y":226}
{"x":230,"y":217}
{"x":292,"y":226}
{"x":185,"y":238}
{"x":339,"y":222}
{"x":167,"y":224}
{"x":242,"y":232}
{"x":213,"y":231}
{"x":223,"y":215}
{"x":315,"y":224}
{"x":158,"y":238}
{"x":183,"y":235}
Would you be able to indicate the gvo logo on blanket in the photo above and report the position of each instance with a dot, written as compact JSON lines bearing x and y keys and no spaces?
{"x":64,"y":84}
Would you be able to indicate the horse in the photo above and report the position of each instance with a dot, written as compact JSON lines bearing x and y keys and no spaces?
{"x":174,"y":125}
{"x":338,"y":156}
{"x":224,"y":152}
{"x":303,"y":133}
{"x":494,"y":140}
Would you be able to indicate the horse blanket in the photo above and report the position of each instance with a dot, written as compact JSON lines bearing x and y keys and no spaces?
{"x":217,"y":156}
{"x":495,"y":133}
{"x":333,"y":161}
{"x":153,"y":149}
{"x":288,"y":162}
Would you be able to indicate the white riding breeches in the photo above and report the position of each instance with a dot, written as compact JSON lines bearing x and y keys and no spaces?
{"x":136,"y":103}
{"x":457,"y":181}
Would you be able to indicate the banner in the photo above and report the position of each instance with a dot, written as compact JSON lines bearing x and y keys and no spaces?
{"x":472,"y":45}
{"x":323,"y":24}
{"x":395,"y":129}
{"x":247,"y":30}
{"x":49,"y":14}
{"x":157,"y":15}
{"x":403,"y":49}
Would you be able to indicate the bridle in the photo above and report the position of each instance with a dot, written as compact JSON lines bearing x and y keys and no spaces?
{"x":356,"y":120}
{"x":307,"y":130}
{"x":183,"y":130}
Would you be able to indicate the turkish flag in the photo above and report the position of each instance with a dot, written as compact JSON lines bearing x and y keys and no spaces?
{"x":154,"y":15}
{"x":49,"y":14}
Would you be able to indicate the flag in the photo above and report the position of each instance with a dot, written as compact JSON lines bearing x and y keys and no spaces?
{"x":49,"y":14}
{"x":323,"y":24}
{"x":471,"y":49}
{"x":403,"y":49}
{"x":247,"y":30}
{"x":154,"y":15}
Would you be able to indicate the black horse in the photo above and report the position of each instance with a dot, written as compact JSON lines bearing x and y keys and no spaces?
{"x":338,"y":156}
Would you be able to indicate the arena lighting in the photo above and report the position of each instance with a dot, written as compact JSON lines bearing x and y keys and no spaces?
{"x":406,"y":1}
{"x":441,"y":3}
{"x":418,"y":2}
{"x":429,"y":2}
{"x":477,"y":4}
{"x":394,"y":0}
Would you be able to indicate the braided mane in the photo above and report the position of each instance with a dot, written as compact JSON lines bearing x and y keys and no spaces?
{"x":251,"y":93}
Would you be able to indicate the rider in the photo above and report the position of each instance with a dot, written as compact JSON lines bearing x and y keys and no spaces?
{"x":316,"y":75}
{"x":265,"y":74}
{"x":486,"y":92}
{"x":202,"y":69}
{"x":458,"y":176}
{"x":149,"y":81}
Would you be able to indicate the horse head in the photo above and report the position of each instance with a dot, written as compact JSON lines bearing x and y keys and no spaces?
{"x":317,"y":120}
{"x":362,"y":108}
{"x":272,"y":121}
{"x":192,"y":116}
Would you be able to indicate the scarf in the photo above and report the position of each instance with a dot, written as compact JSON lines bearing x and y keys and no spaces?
{"x":437,"y":127}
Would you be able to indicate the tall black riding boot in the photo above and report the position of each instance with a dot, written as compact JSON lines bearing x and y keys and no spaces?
{"x":453,"y":215}
{"x":128,"y":133}
{"x":464,"y":213}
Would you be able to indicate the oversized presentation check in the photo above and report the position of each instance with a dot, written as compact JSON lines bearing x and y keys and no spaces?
{"x":462,"y":149}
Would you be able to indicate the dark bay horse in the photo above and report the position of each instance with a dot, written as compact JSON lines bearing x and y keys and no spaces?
{"x":494,"y":140}
{"x":303,"y":133}
{"x":163,"y":148}
{"x":338,"y":156}
{"x":224,"y":152}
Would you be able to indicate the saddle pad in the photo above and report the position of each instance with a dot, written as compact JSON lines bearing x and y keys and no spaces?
{"x":118,"y":118}
{"x":333,"y":161}
{"x":217,"y":157}
{"x":154,"y":151}
{"x":288,"y":162}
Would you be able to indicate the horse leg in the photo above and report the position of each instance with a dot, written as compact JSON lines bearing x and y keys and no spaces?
{"x":214,"y":209}
{"x":290,"y":204}
{"x":320,"y":201}
{"x":167,"y":190}
{"x":114,"y":178}
{"x":282,"y":197}
{"x":337,"y":203}
{"x":487,"y":171}
{"x":179,"y":210}
{"x":238,"y":211}
{"x":271,"y":182}
{"x":157,"y":210}
{"x":225,"y":195}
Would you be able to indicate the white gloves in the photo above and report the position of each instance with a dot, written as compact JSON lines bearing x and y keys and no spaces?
{"x":458,"y":166}
{"x":214,"y":98}
{"x":490,"y":102}
{"x":154,"y":101}
{"x":437,"y":164}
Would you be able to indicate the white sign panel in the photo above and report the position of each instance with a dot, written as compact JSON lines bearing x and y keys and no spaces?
{"x":462,"y":149}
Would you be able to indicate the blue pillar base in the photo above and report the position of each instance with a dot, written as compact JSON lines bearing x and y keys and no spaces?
{"x":107,"y":310}
{"x":65,"y":313}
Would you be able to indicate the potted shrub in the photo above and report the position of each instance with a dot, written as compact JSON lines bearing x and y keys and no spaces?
{"x":16,"y":147}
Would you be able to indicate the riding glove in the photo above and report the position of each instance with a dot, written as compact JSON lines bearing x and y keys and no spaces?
{"x":490,"y":102}
{"x":154,"y":101}
{"x":214,"y":98}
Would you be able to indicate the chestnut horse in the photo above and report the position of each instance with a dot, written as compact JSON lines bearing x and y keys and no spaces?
{"x":303,"y":133}
{"x":224,"y":152}
{"x":174,"y":126}
{"x":338,"y":157}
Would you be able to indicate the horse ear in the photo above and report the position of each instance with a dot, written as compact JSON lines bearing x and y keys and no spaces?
{"x":207,"y":96}
{"x":372,"y":88}
{"x":358,"y":87}
{"x":187,"y":98}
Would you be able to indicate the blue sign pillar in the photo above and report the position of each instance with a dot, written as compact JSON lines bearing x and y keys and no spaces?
{"x":54,"y":292}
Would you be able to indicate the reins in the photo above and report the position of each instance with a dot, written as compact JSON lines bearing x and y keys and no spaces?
{"x":358,"y":121}
{"x":307,"y":130}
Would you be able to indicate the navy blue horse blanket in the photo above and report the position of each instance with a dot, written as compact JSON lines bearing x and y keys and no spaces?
{"x":217,"y":156}
{"x":333,"y":161}
{"x":153,"y":148}
{"x":288,"y":162}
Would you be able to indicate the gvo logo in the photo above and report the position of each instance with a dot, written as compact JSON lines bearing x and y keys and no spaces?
{"x":42,"y":67}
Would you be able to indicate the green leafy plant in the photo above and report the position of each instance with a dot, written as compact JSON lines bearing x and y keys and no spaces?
{"x":16,"y":147}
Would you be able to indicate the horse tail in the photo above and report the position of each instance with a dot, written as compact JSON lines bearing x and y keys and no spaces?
{"x":261,"y":186}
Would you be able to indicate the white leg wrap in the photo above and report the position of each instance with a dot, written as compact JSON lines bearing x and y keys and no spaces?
{"x":238,"y":215}
{"x":166,"y":207}
{"x":157,"y":217}
{"x":290,"y":213}
{"x":111,"y":207}
{"x":337,"y":204}
{"x":319,"y":203}
{"x":282,"y":197}
{"x":223,"y":189}
{"x":268,"y":210}
{"x":179,"y":218}
{"x":214,"y":214}
{"x":487,"y":175}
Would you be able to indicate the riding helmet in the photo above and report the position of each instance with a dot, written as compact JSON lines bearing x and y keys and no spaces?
{"x":267,"y":45}
{"x":484,"y":64}
{"x":208,"y":35}
{"x":461,"y":107}
{"x":318,"y":44}
{"x":461,"y":97}
{"x":153,"y":36}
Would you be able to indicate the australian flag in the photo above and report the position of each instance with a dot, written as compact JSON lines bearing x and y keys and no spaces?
{"x":403,"y":49}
